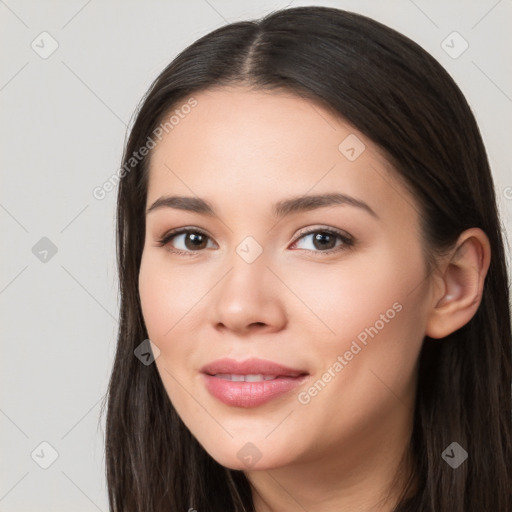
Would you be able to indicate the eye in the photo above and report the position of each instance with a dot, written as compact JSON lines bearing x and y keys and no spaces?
{"x":324,"y":241}
{"x":188,"y":241}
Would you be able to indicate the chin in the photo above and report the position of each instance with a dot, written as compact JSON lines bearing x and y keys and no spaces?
{"x":248,"y":457}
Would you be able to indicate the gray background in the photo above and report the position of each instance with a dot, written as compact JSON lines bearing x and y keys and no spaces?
{"x":63,"y":126}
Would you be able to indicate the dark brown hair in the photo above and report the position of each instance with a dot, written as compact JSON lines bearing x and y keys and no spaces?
{"x":402,"y":99}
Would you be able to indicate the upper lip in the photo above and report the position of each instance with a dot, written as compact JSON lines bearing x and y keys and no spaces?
{"x":250,"y":367}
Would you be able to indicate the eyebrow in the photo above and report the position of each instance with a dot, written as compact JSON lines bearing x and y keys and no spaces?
{"x":280,"y":209}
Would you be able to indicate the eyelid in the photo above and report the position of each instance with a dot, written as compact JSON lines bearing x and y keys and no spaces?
{"x":319,"y":229}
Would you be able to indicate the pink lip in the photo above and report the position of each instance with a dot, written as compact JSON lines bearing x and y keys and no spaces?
{"x":250,"y":394}
{"x":250,"y":366}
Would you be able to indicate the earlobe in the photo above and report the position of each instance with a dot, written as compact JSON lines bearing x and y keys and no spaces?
{"x":462,"y":283}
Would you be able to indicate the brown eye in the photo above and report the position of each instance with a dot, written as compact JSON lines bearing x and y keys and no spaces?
{"x":194,"y":241}
{"x":185,"y":241}
{"x":324,"y":241}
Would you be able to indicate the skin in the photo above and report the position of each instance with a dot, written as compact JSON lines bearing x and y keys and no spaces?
{"x":243,"y":150}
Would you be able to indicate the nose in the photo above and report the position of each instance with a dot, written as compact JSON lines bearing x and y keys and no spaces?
{"x":249,"y":299}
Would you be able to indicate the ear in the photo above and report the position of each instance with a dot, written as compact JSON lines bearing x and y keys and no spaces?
{"x":459,"y":284}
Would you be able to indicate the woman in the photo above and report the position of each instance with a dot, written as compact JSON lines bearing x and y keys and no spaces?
{"x":308,"y":235}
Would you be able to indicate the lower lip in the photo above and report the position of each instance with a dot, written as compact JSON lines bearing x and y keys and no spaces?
{"x":250,"y":394}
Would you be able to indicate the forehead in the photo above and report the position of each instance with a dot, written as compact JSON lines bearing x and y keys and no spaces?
{"x":260,"y":146}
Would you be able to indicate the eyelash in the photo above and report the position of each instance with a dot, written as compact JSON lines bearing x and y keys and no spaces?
{"x":348,"y":241}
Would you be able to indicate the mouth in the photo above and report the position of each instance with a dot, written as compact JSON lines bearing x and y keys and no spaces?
{"x":250,"y":368}
{"x":250,"y":383}
{"x":245,"y":378}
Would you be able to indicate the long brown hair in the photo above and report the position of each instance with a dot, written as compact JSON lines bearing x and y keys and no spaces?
{"x":400,"y":97}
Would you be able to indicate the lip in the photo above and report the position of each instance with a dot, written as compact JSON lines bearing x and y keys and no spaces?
{"x":250,"y":366}
{"x":250,"y":394}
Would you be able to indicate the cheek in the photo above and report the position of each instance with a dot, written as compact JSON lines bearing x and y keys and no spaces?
{"x":377,"y":309}
{"x":166,"y":295}
{"x":371,"y":311}
{"x":154,"y":299}
{"x":345,"y":298}
{"x":174,"y":299}
{"x":167,"y":298}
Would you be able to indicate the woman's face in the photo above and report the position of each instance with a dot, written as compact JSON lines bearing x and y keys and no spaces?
{"x":334,"y":290}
